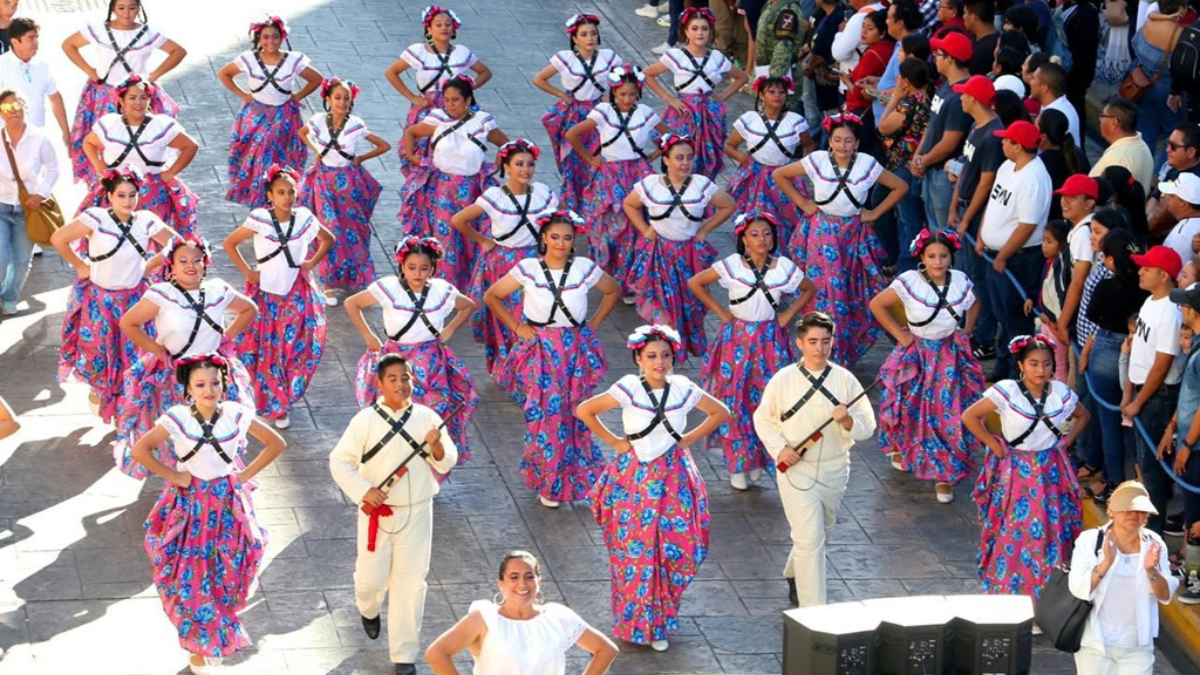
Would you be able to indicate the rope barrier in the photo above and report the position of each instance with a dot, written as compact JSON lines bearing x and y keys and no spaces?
{"x":1007,"y":272}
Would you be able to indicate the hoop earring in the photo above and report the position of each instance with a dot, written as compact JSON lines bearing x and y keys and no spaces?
{"x":499,"y":603}
{"x":189,"y":399}
{"x":428,"y":37}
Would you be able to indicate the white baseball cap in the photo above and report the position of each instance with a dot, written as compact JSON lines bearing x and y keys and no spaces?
{"x":1011,"y":83}
{"x":1186,"y":186}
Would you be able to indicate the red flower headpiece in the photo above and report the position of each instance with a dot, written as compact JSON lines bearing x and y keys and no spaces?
{"x":434,"y":10}
{"x":461,"y":77}
{"x":278,"y":22}
{"x":577,"y":20}
{"x":617,"y":74}
{"x":670,"y":140}
{"x":176,"y":243}
{"x":743,"y":221}
{"x":841,"y":118}
{"x":561,"y":216}
{"x":275,"y":171}
{"x":327,"y":86}
{"x":408,"y":244}
{"x":1022,"y":341}
{"x":692,"y":12}
{"x":788,"y":84}
{"x":128,"y":173}
{"x":647,"y":334}
{"x":517,"y":145}
{"x":135,"y":81}
{"x":918,"y":242}
{"x":213,"y":357}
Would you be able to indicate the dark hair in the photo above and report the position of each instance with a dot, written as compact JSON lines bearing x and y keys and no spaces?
{"x":1191,"y":133}
{"x":843,"y":123}
{"x":878,"y":18}
{"x":1018,"y":41}
{"x":1010,"y":61}
{"x":1171,"y":6}
{"x":1009,"y":107}
{"x":1033,"y":344}
{"x":916,"y":71}
{"x":112,"y":5}
{"x":741,"y":237}
{"x":1057,"y":129}
{"x":256,"y":34}
{"x":1111,"y":219}
{"x":387,"y":361}
{"x":334,"y":84}
{"x":936,"y":237}
{"x":1059,"y":229}
{"x":183,"y":371}
{"x":1054,"y":77}
{"x":20,"y":26}
{"x":7,"y":93}
{"x":907,"y":13}
{"x":269,"y":184}
{"x":583,"y":22}
{"x":662,"y":162}
{"x":1127,"y":194}
{"x":464,"y":88}
{"x":1119,"y":244}
{"x":814,"y":320}
{"x":627,"y":78}
{"x":682,"y":37}
{"x":1024,"y":19}
{"x":956,"y":6}
{"x":444,"y":12}
{"x":1124,"y":112}
{"x":557,"y":218}
{"x":916,"y":45}
{"x":767,"y":83}
{"x":1036,"y":60}
{"x":421,"y":248}
{"x":520,"y":555}
{"x":110,"y":182}
{"x":984,"y":10}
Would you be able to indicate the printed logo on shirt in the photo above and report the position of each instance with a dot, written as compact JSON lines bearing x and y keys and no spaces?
{"x":936,"y":105}
{"x":969,"y":151}
{"x":1143,"y":330}
{"x":999,"y":194}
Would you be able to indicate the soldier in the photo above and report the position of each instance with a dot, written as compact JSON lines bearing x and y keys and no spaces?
{"x":782,"y":31}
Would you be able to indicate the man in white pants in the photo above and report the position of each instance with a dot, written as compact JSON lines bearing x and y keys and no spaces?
{"x":394,"y":542}
{"x":796,"y":401}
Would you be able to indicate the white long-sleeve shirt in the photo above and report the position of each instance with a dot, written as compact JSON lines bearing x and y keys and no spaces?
{"x":787,"y":387}
{"x":365,"y":430}
{"x":846,"y":42}
{"x":36,"y":162}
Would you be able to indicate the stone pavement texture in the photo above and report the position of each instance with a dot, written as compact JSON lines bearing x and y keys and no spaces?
{"x":75,"y":591}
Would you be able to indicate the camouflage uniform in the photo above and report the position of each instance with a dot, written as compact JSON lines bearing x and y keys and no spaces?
{"x":782,"y":32}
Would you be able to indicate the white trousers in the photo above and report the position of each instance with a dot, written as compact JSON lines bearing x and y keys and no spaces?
{"x":811,"y":514}
{"x":397,"y":567}
{"x":1115,"y":660}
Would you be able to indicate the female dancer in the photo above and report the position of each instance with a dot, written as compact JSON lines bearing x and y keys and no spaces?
{"x":420,"y":314}
{"x":931,"y":376}
{"x":753,"y":341}
{"x":583,"y":70}
{"x":126,"y":46}
{"x":673,"y":247}
{"x":133,"y":138}
{"x":285,"y":343}
{"x":188,"y":313}
{"x":557,"y":360}
{"x":696,"y":68}
{"x":624,"y":127}
{"x":651,"y":501}
{"x":512,"y":209}
{"x":266,"y":129}
{"x":434,"y":61}
{"x":834,"y":242}
{"x":339,"y":189}
{"x":773,"y":138}
{"x":1029,"y":508}
{"x":458,"y":174}
{"x":205,"y":544}
{"x":108,"y":283}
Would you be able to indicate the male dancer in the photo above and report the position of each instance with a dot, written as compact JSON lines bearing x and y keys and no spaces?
{"x":796,"y":401}
{"x":395,"y":540}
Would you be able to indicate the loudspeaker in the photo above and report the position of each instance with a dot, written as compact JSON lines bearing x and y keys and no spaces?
{"x":917,"y":635}
{"x":841,"y":639}
{"x":993,"y":634}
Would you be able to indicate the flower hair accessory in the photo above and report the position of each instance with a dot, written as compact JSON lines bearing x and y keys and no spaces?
{"x":617,"y":75}
{"x":693,"y":12}
{"x":278,"y":22}
{"x":514,"y":146}
{"x":577,"y":20}
{"x":670,"y":140}
{"x":1022,"y":341}
{"x":743,"y":221}
{"x":461,"y":77}
{"x":213,"y":357}
{"x":128,"y":173}
{"x":275,"y":171}
{"x":327,"y":86}
{"x":433,"y":10}
{"x":841,"y":118}
{"x":562,"y":216}
{"x":176,"y":243}
{"x":408,"y":244}
{"x":644,"y":335}
{"x":919,"y":242}
{"x":788,"y":84}
{"x":135,"y":81}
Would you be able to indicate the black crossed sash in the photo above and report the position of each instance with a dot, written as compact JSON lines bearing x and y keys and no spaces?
{"x":818,"y":385}
{"x":1039,"y":414}
{"x":334,"y":145}
{"x":697,"y":70}
{"x":760,"y":284}
{"x":942,"y":303}
{"x":843,"y":179}
{"x":126,"y":235}
{"x":522,"y":215}
{"x":660,"y":413}
{"x":202,"y":317}
{"x":418,"y":312}
{"x":455,"y":127}
{"x":771,"y":135}
{"x":396,"y":429}
{"x":589,"y":74}
{"x":269,"y":75}
{"x":623,"y":122}
{"x":133,"y":145}
{"x":284,"y":238}
{"x":206,"y":436}
{"x":120,"y":52}
{"x":556,"y":291}
{"x":676,"y":203}
{"x":443,"y":67}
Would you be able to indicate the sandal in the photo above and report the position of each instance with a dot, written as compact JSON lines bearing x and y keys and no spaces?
{"x":1087,"y":473}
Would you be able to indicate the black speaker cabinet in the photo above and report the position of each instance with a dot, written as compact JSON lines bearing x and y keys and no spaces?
{"x":993,"y":634}
{"x":840,"y":639}
{"x":917,"y":635}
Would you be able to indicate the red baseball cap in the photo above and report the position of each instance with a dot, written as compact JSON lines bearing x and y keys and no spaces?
{"x":1162,"y":257}
{"x":1023,"y":133}
{"x":979,"y":88}
{"x":955,"y":44}
{"x":1079,"y":184}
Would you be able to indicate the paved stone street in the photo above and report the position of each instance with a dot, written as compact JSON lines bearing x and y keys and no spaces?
{"x":75,"y":592}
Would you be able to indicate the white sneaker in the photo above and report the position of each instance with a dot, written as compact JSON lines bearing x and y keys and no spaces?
{"x":738,"y":481}
{"x":548,"y":503}
{"x":755,"y":474}
{"x":945,"y":492}
{"x":93,"y":403}
{"x":283,"y":422}
{"x":331,"y":300}
{"x":650,"y":11}
{"x":664,"y":21}
{"x":659,"y":645}
{"x":661,"y":49}
{"x":629,"y":299}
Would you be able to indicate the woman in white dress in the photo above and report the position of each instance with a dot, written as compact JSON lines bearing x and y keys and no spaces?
{"x":516,"y":633}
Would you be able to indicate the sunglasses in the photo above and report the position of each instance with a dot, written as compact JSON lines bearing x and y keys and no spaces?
{"x":11,"y":107}
{"x":1171,"y":145}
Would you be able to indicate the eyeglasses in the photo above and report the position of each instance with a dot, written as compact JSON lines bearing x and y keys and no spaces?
{"x":1172,"y":145}
{"x":1107,"y":117}
{"x":939,"y":54}
{"x":11,"y":107}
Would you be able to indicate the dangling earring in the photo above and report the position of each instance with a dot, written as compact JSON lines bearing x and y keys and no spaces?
{"x":189,"y":399}
{"x":428,"y":37}
{"x":500,"y":602}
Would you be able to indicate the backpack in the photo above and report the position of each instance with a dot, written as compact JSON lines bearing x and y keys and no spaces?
{"x":1185,"y":61}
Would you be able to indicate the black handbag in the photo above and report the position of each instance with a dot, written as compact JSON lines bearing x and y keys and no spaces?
{"x":1060,"y":614}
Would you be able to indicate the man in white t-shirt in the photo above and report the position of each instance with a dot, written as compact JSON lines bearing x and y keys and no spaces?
{"x":1154,"y":370}
{"x":1078,"y":197}
{"x":1182,"y":199}
{"x":1011,"y":236}
{"x":20,"y":69}
{"x":1048,"y":86}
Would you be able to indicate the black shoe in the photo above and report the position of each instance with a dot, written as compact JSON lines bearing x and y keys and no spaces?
{"x":406,"y":669}
{"x":1102,"y":498}
{"x":372,"y":627}
{"x":982,"y":352}
{"x":792,"y":597}
{"x":1174,"y":526}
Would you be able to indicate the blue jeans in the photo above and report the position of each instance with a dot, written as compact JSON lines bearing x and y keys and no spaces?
{"x":1008,"y":304}
{"x":1155,"y":416}
{"x":907,"y":218}
{"x":1103,"y":372}
{"x":1156,"y":120}
{"x":937,"y":191}
{"x":15,"y":252}
{"x":975,"y":267}
{"x":674,"y":10}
